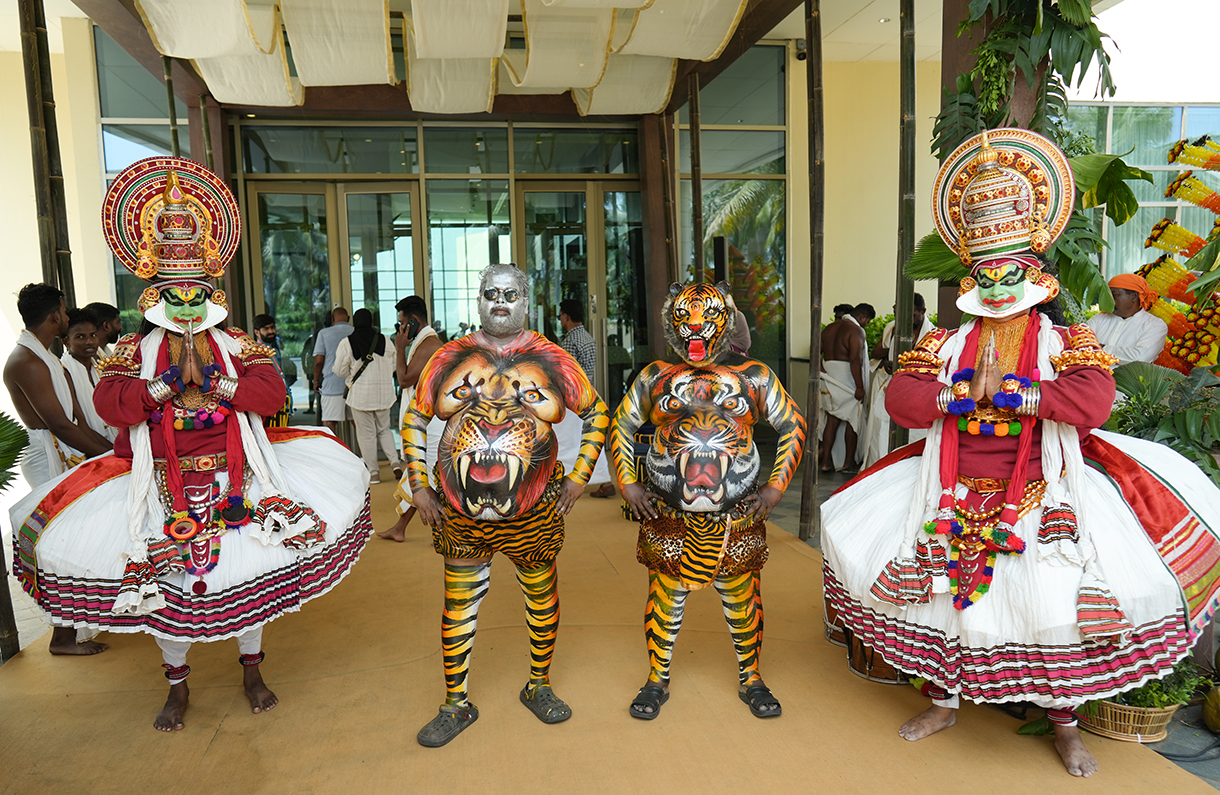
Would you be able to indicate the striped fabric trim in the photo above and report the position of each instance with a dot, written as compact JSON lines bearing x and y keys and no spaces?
{"x":85,"y":602}
{"x":1014,"y":671}
{"x":902,"y":581}
{"x":1099,"y":616}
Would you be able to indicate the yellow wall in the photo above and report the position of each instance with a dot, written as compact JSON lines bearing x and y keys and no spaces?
{"x":80,"y":145}
{"x":861,"y":217}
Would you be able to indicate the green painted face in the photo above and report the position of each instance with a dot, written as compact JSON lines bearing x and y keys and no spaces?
{"x":1001,"y":287}
{"x":185,"y":306}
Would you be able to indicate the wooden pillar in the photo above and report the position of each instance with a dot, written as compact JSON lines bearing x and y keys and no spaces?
{"x":696,"y":179}
{"x":653,"y":177}
{"x":49,"y":196}
{"x":811,"y":520}
{"x":904,"y":289}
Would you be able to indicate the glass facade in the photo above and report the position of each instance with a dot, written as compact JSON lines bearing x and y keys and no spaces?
{"x":330,"y":150}
{"x":468,"y":229}
{"x":744,"y":194}
{"x":1147,"y":132}
{"x":381,"y":254}
{"x":135,"y":125}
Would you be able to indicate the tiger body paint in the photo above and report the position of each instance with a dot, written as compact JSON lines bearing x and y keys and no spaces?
{"x":499,"y":391}
{"x":706,"y":525}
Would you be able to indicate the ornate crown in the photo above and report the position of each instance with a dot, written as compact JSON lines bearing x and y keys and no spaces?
{"x":171,"y":219}
{"x":1002,"y":192}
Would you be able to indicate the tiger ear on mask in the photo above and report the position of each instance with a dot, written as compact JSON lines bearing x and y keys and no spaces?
{"x":674,"y":289}
{"x":727,"y":292}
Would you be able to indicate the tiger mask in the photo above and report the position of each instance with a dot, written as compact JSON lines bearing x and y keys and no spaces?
{"x":699,"y":320}
{"x":498,"y":450}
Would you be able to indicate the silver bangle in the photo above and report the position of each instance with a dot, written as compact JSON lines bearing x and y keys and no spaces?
{"x":159,"y":391}
{"x":1031,"y":400}
{"x":226,"y":386}
{"x":943,"y":399}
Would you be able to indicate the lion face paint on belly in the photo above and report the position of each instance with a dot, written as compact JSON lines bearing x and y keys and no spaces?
{"x":703,"y":457}
{"x":498,"y":450}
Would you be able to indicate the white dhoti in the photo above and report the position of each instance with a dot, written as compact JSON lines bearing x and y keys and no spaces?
{"x":877,"y":440}
{"x":568,"y":432}
{"x":838,"y":398}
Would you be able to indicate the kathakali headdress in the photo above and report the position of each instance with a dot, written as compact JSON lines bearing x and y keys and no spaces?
{"x":175,"y":223}
{"x":1001,"y":198}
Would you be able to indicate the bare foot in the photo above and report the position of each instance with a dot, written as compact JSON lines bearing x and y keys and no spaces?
{"x":1076,"y":758}
{"x":399,"y":531}
{"x":261,"y":697}
{"x":930,"y":721}
{"x":63,"y":641}
{"x":170,"y":717}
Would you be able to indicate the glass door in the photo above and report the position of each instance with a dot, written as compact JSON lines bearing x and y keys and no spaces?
{"x":295,"y":268}
{"x":623,"y":332}
{"x":556,"y":252}
{"x":382,"y":249}
{"x":584,"y":241}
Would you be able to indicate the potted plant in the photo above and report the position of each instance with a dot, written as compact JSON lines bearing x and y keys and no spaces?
{"x":1142,"y":715}
{"x":12,"y":441}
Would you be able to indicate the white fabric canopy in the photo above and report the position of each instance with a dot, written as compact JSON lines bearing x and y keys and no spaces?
{"x":561,"y":42}
{"x":617,"y":57}
{"x":449,"y":85}
{"x":340,"y":42}
{"x":459,"y":29}
{"x":633,"y":84}
{"x":693,"y":29}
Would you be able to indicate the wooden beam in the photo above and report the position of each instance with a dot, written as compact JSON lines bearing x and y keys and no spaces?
{"x":811,"y":520}
{"x":391,"y":102}
{"x":759,"y":19}
{"x":122,"y":22}
{"x":656,"y":227}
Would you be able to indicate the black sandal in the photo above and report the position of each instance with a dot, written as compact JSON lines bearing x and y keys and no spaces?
{"x":650,"y":695}
{"x":759,"y":696}
{"x":546,"y":706}
{"x":449,"y":723}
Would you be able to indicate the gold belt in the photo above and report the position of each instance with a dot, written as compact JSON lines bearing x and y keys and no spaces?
{"x":984,"y":485}
{"x":196,"y":463}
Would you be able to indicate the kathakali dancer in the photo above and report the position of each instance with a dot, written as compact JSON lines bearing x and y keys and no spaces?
{"x":702,"y":516}
{"x":1016,"y":554}
{"x":499,"y":390}
{"x":203,"y":525}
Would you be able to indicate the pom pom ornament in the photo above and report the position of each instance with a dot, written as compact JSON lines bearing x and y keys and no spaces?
{"x":1203,"y":153}
{"x":1168,"y":235}
{"x":1191,"y":189}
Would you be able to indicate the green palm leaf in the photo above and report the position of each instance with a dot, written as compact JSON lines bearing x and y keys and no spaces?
{"x":13,"y":440}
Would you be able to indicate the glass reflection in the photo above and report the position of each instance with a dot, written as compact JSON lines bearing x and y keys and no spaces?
{"x":381,"y":257}
{"x":468,"y":229}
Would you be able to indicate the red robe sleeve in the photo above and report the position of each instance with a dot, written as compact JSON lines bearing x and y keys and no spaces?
{"x":910,"y":399}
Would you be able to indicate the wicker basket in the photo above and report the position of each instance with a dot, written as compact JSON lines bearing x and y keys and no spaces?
{"x":1129,"y":724}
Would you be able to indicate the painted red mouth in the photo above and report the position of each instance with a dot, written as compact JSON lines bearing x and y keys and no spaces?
{"x":696,"y":350}
{"x":999,"y":303}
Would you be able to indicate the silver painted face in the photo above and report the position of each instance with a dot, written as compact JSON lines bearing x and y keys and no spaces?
{"x":499,"y":316}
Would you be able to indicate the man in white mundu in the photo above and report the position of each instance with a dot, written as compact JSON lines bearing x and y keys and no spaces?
{"x":844,"y":388}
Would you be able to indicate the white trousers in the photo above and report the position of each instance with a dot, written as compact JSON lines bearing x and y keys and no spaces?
{"x":174,"y":651}
{"x":373,"y":427}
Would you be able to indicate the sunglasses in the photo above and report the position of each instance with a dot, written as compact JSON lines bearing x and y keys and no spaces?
{"x":510,"y":295}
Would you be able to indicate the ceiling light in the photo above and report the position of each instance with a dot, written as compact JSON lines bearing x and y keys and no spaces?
{"x":883,"y":20}
{"x":368,"y":140}
{"x":249,"y":115}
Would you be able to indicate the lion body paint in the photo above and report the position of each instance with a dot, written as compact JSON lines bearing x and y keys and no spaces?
{"x":498,"y":449}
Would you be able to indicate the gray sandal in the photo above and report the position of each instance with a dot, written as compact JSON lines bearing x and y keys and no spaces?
{"x":451,"y":722}
{"x":546,"y":706}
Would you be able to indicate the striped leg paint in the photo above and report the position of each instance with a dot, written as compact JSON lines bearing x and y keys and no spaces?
{"x":662,"y":620}
{"x":742,"y":600}
{"x":465,"y":587}
{"x":541,"y":589}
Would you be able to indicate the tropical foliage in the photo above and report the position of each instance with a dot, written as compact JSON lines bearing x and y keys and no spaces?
{"x":1180,"y":411}
{"x":1048,"y":46}
{"x":13,"y":440}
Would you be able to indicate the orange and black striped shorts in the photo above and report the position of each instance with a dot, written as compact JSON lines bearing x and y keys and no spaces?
{"x":529,"y":541}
